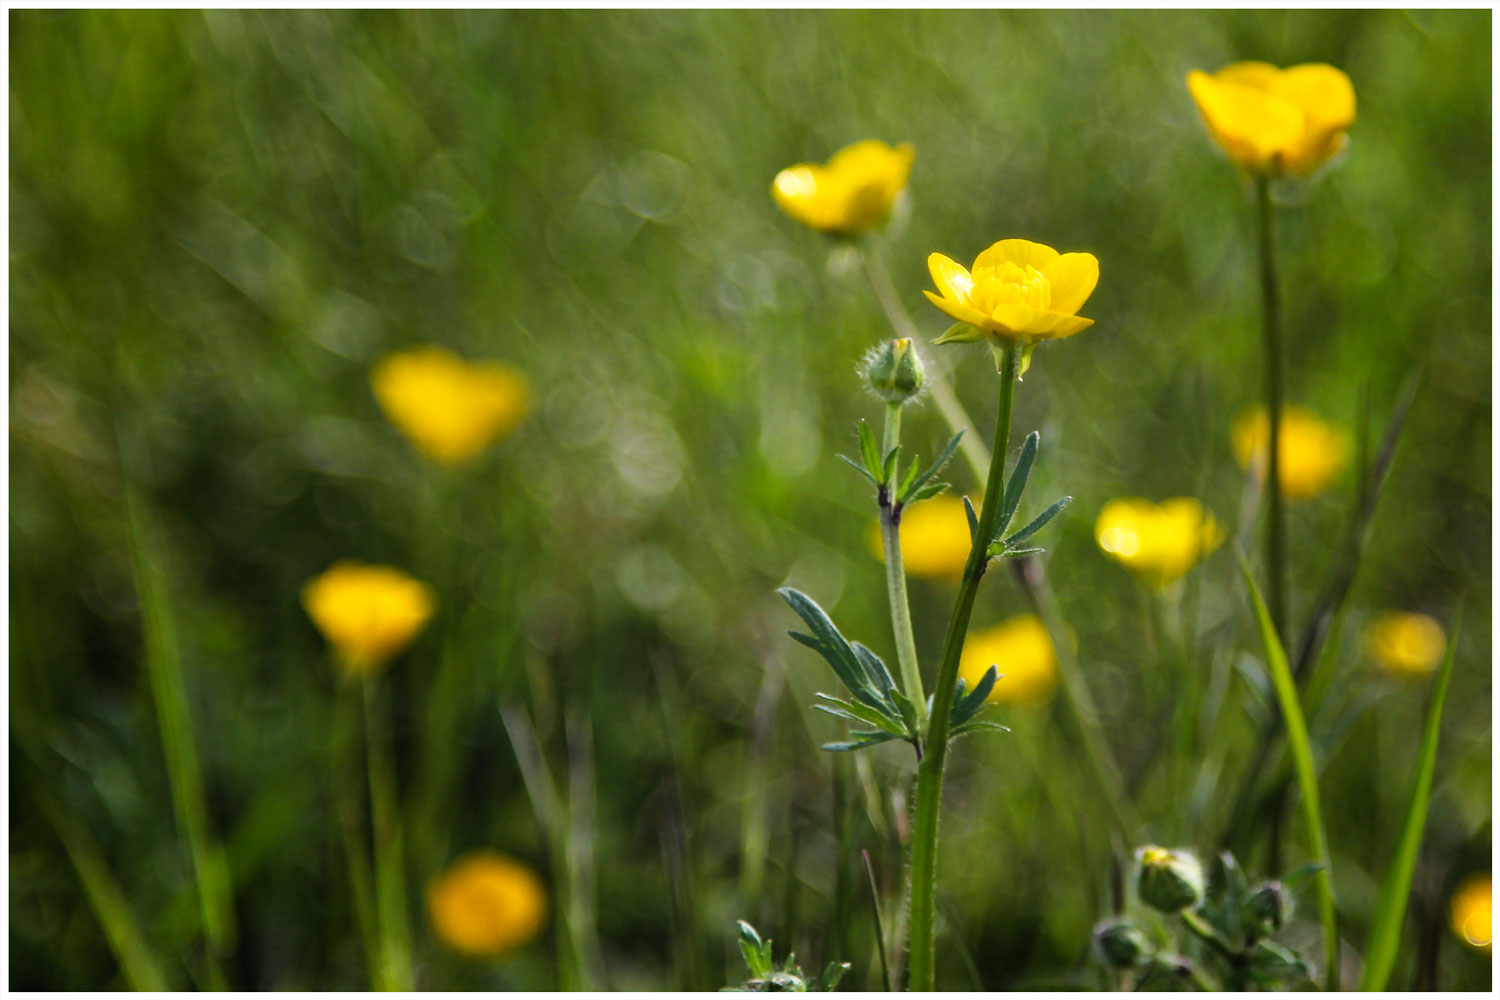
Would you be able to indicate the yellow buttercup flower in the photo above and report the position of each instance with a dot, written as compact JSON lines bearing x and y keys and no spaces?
{"x":1469,"y":911}
{"x":852,"y":192}
{"x":487,"y":904}
{"x":934,"y":537}
{"x":368,"y":614}
{"x":1017,"y":289}
{"x":1276,"y":121}
{"x":450,"y":408}
{"x":1159,"y":542}
{"x":1313,"y":453}
{"x":1021,"y":651}
{"x":1406,"y":643}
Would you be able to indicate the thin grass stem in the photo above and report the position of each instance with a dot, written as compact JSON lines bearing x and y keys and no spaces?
{"x":895,"y":578}
{"x":390,"y":865}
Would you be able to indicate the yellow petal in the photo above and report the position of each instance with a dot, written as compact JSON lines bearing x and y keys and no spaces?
{"x":1018,"y":252}
{"x":1072,"y":277}
{"x":1324,"y":94}
{"x":960,"y":311}
{"x":1260,"y":75}
{"x":1256,"y":128}
{"x":1019,"y":321}
{"x":951,"y":278}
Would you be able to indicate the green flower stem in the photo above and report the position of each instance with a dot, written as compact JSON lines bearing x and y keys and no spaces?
{"x":930,"y":771}
{"x":895,"y":576}
{"x":1276,"y":566}
{"x":390,"y":868}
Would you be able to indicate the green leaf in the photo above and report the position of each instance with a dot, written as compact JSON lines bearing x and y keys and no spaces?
{"x":853,"y":680}
{"x":1307,"y":775}
{"x":1390,"y":912}
{"x":865,"y":740}
{"x":975,"y":726}
{"x":1017,"y":483}
{"x":973,"y":522}
{"x":858,"y":468}
{"x":907,"y":491}
{"x":1039,"y":522}
{"x":757,"y":952}
{"x":960,"y":333}
{"x":832,"y":973}
{"x":908,"y":713}
{"x":888,"y":467}
{"x":875,"y":669}
{"x":862,"y":713}
{"x":966,"y":706}
{"x":911,"y":476}
{"x":870,"y":451}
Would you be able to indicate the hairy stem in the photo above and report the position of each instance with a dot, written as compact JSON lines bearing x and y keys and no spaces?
{"x":895,"y":575}
{"x":930,"y":771}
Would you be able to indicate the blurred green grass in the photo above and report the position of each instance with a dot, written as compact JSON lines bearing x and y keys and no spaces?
{"x":219,"y":220}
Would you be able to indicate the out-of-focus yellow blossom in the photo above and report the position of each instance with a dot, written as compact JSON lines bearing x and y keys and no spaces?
{"x":852,"y":192}
{"x":934,"y":537}
{"x":1276,"y":121}
{"x":450,"y":408}
{"x":1313,"y":453}
{"x":1406,"y":643}
{"x":1017,"y":289}
{"x":487,"y":904}
{"x":1469,"y":911}
{"x":1159,"y":542}
{"x":1021,"y":651}
{"x":368,"y":614}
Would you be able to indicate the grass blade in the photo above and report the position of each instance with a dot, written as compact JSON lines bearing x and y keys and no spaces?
{"x":1390,"y":912}
{"x":1307,"y":775}
{"x":885,"y":965}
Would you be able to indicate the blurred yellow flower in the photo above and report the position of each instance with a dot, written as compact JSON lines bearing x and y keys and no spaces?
{"x":1159,"y":542}
{"x":1406,"y":643}
{"x":1276,"y":121}
{"x":450,"y":408}
{"x":1313,"y":453}
{"x":1017,"y":289}
{"x":934,"y":537}
{"x":853,"y":192}
{"x":487,"y":904}
{"x":1021,"y":651}
{"x":368,"y":614}
{"x":1469,"y":911}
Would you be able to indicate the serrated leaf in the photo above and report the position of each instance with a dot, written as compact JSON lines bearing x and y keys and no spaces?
{"x":960,"y":333}
{"x":908,"y":491}
{"x":1039,"y":522}
{"x":1016,"y":485}
{"x":870,"y":451}
{"x":859,"y":468}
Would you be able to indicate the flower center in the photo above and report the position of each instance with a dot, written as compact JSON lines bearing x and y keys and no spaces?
{"x":1009,"y":284}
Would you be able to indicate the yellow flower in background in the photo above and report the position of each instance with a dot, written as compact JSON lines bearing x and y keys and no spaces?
{"x":487,"y":904}
{"x":1276,"y":121}
{"x":1313,"y":453}
{"x":1021,"y":651}
{"x":852,"y":192}
{"x":1017,"y":289}
{"x":450,"y":408}
{"x":1159,"y":542}
{"x":934,"y":537}
{"x":1469,"y":911}
{"x":1406,"y":643}
{"x":368,"y":614}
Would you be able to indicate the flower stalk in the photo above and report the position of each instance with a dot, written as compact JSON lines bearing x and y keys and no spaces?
{"x":1271,"y":311}
{"x":895,"y":575}
{"x":930,"y":771}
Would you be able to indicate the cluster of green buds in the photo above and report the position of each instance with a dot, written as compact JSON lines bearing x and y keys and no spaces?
{"x":767,"y":977}
{"x":893,"y":371}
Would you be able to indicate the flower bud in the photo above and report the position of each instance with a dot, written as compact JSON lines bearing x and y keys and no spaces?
{"x":1119,"y":943}
{"x":894,"y":371}
{"x":1170,"y":881}
{"x":1266,"y":908}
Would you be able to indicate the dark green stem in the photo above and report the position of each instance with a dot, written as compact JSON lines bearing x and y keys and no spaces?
{"x":930,"y":771}
{"x":1276,"y":566}
{"x":895,"y":575}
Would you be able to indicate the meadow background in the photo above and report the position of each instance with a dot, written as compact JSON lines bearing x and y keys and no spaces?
{"x":219,"y":221}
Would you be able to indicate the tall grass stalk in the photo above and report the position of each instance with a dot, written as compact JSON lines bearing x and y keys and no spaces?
{"x":390,"y":864}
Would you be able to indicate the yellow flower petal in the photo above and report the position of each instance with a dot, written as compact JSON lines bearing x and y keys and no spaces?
{"x":1470,"y":911}
{"x":1406,"y":644}
{"x":487,"y":904}
{"x":1276,"y":121}
{"x":1073,"y":277}
{"x":368,"y":614}
{"x":1312,"y":452}
{"x":1256,"y":128}
{"x":958,"y":310}
{"x":1021,"y":652}
{"x":1018,"y":252}
{"x":853,"y":192}
{"x":1159,"y":542}
{"x":952,"y":279}
{"x":449,"y":408}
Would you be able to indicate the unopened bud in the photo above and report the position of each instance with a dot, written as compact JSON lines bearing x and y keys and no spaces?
{"x":1266,"y":908}
{"x":1170,"y":881}
{"x":1119,"y":943}
{"x":894,"y":371}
